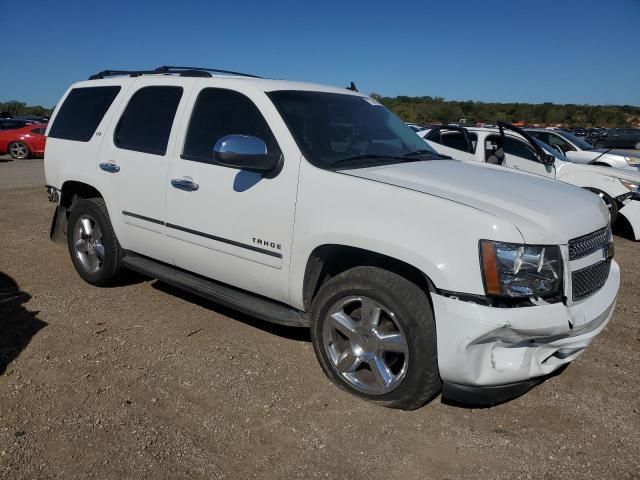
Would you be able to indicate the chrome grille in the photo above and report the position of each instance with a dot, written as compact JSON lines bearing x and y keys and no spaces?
{"x":590,"y":279}
{"x":587,"y":244}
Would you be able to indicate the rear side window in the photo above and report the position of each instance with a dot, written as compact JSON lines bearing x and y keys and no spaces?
{"x":39,"y":131}
{"x":82,"y":112}
{"x":219,"y":112}
{"x":146,"y":123}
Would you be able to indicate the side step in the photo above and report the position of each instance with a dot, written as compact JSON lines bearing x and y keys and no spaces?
{"x":240,"y":300}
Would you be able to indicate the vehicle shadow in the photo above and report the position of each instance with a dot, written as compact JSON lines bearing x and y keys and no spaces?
{"x":17,"y":324}
{"x":291,"y":333}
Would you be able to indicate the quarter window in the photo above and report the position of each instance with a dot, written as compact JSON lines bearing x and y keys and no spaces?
{"x":82,"y":112}
{"x":220,"y":112}
{"x":146,"y":123}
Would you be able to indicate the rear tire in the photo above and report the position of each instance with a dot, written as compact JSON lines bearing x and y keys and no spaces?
{"x":19,"y":150}
{"x":637,"y":146}
{"x":93,"y":246}
{"x":374,"y":336}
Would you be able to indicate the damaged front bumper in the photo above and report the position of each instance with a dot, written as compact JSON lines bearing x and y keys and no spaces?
{"x":500,"y":353}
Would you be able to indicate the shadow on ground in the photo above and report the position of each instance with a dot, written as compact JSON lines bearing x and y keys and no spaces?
{"x":291,"y":333}
{"x":17,"y":325}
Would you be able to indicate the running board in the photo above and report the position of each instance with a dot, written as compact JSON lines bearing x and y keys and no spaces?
{"x":240,"y":300}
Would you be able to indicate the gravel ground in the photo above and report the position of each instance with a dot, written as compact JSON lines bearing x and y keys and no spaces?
{"x":143,"y":381}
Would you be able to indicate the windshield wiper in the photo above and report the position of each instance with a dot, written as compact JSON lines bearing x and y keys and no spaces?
{"x":372,"y":156}
{"x":427,"y":152}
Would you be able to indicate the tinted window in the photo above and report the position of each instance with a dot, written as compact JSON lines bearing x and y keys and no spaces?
{"x":82,"y":112}
{"x":519,"y":148}
{"x":39,"y":131}
{"x":542,"y":136}
{"x":218,"y":113}
{"x":453,"y":139}
{"x":336,"y":130}
{"x":146,"y":123}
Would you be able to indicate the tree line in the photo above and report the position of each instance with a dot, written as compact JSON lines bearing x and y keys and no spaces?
{"x":433,"y":110}
{"x":18,"y":109}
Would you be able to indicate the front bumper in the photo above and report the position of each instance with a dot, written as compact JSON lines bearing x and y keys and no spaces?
{"x":480,"y":346}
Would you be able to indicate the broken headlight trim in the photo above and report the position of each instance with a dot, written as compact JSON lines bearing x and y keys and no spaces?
{"x":519,"y":271}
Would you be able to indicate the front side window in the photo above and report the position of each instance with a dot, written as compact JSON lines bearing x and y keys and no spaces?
{"x":146,"y":123}
{"x":82,"y":112}
{"x":559,"y":142}
{"x":220,"y":112}
{"x":519,"y":148}
{"x":341,"y":130}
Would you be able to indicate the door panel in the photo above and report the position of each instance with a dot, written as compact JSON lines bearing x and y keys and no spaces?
{"x":237,"y":226}
{"x":134,"y":161}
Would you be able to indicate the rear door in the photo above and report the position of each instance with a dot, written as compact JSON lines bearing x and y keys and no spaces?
{"x":133,"y":160}
{"x":519,"y":155}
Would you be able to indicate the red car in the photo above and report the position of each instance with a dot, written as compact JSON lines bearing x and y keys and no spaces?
{"x":24,"y":142}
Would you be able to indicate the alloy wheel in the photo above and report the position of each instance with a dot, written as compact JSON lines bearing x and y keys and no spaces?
{"x":366,"y":345}
{"x":19,"y":150}
{"x":88,"y":243}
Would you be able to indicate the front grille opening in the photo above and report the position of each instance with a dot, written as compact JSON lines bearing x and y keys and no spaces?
{"x":587,"y":244}
{"x":589,"y":280}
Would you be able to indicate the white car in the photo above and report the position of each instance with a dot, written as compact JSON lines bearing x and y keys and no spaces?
{"x":314,"y":206}
{"x":511,"y":147}
{"x":578,"y":150}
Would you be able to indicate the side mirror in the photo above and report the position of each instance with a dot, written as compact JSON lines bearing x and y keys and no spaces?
{"x":244,"y":152}
{"x":548,"y":160}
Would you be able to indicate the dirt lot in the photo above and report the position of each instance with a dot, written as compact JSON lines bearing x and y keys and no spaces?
{"x":142,"y":381}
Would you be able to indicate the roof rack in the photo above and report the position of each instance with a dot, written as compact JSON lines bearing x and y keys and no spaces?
{"x":165,"y":69}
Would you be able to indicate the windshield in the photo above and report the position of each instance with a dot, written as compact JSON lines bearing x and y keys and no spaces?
{"x":579,"y":142}
{"x":350,"y":130}
{"x":551,"y":150}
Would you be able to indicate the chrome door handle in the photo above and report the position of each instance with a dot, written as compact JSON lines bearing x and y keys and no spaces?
{"x":183,"y":184}
{"x":109,"y":167}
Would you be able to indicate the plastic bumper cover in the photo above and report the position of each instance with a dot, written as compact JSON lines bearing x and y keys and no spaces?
{"x":481,"y":346}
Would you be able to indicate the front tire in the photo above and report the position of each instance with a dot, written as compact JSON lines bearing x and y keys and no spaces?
{"x":374,"y":336}
{"x":19,"y":150}
{"x":93,"y":246}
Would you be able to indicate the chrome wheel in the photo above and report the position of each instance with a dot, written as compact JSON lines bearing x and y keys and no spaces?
{"x":19,"y":150}
{"x":366,"y":345}
{"x":88,"y":244}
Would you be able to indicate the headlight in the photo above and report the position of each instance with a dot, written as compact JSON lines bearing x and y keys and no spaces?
{"x":515,"y":270}
{"x":632,"y":160}
{"x":631,"y":186}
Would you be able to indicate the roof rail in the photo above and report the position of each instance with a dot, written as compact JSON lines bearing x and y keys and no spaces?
{"x":182,"y":71}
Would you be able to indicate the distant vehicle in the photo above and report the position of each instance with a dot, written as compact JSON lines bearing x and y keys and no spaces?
{"x":415,"y":127}
{"x":33,"y":118}
{"x":580,"y":151}
{"x":5,"y":115}
{"x":579,"y":132}
{"x":511,"y":147}
{"x":12,"y":123}
{"x":25,"y":142}
{"x":620,"y":138}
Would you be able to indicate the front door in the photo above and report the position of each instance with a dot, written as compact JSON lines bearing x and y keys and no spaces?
{"x":234,"y":226}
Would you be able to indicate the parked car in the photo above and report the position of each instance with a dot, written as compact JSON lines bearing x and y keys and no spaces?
{"x":620,"y":138}
{"x":580,"y":151}
{"x":33,"y":119}
{"x":316,"y":207}
{"x":25,"y":142}
{"x":11,"y":123}
{"x":514,"y":148}
{"x":415,"y":127}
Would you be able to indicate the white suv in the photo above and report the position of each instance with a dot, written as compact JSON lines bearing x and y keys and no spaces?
{"x":314,"y":206}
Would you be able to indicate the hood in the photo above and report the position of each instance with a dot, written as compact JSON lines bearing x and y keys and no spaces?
{"x":545,"y":211}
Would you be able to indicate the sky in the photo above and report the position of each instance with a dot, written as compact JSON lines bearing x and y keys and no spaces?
{"x":562,"y":51}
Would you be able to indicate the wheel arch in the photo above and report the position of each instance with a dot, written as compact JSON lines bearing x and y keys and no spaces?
{"x":72,"y":189}
{"x":328,"y":260}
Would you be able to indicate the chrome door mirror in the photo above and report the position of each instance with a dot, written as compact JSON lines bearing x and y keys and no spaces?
{"x":244,"y":152}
